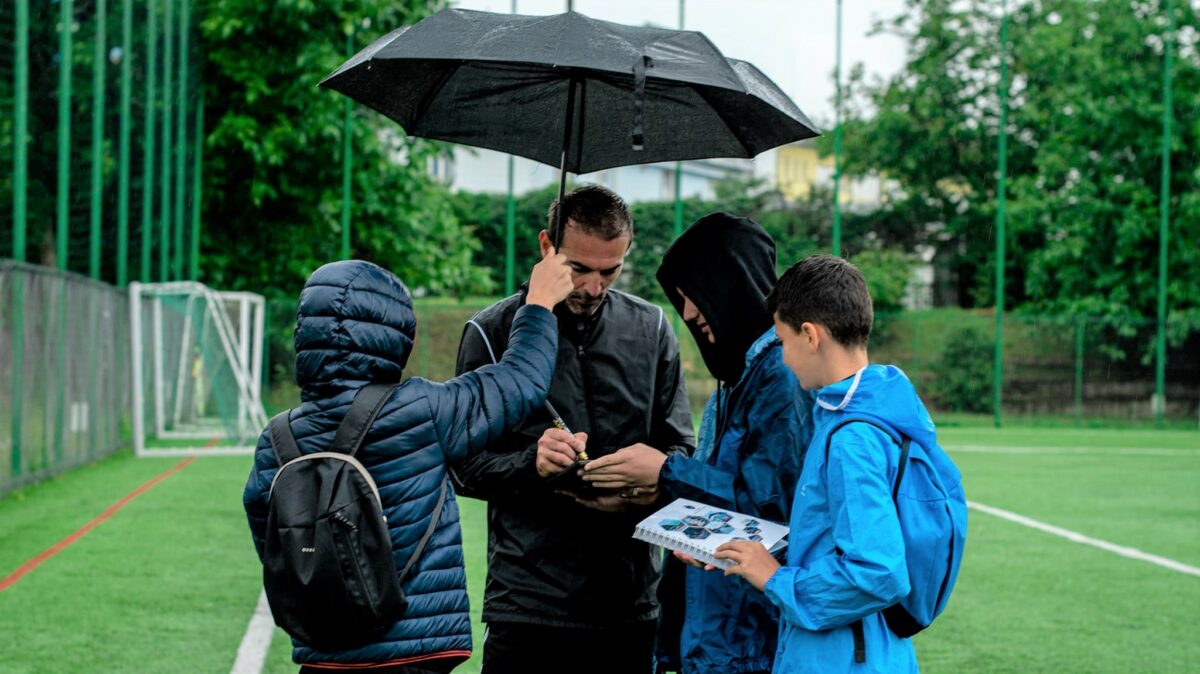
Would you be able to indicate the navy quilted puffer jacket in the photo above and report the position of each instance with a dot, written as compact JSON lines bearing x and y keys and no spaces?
{"x":356,"y":326}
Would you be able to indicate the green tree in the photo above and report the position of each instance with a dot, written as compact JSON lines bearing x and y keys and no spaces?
{"x":272,"y":155}
{"x":1083,"y":158}
{"x":887,"y":272}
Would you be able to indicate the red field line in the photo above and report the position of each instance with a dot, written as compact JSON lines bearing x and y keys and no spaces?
{"x":12,"y":578}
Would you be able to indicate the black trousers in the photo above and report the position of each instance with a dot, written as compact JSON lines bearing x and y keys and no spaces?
{"x":520,"y":648}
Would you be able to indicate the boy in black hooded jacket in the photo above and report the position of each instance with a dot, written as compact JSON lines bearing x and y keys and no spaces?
{"x":752,"y":438}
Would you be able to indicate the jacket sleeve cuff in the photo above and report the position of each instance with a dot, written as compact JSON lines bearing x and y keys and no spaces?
{"x":778,"y":587}
{"x":534,"y":313}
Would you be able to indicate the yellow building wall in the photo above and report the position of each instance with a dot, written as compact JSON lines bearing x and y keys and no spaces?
{"x":796,"y":170}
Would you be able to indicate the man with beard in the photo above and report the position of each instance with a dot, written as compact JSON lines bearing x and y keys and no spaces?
{"x":567,"y":584}
{"x":753,"y":434}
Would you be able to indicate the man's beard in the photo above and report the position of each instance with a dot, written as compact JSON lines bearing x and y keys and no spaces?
{"x":584,"y":305}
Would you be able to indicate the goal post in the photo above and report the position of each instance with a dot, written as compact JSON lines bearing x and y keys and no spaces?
{"x":196,"y":369}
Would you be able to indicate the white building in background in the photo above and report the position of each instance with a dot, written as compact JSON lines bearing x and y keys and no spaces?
{"x":485,"y":171}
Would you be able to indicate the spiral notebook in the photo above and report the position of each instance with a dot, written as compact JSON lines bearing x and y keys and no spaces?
{"x":698,"y":530}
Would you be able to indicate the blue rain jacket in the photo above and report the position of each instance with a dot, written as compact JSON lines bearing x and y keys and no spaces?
{"x":846,"y":557}
{"x":729,"y":626}
{"x":356,"y":326}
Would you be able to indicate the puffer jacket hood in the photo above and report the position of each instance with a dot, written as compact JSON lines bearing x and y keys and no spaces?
{"x":355,"y":325}
{"x":726,"y":266}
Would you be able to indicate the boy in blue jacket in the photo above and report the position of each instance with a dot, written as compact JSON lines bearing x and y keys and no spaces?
{"x":846,"y":556}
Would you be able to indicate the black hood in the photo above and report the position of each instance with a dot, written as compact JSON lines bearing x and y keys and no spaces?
{"x":726,"y":266}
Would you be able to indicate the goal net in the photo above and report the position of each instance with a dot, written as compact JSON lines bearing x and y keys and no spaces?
{"x":197,"y":369}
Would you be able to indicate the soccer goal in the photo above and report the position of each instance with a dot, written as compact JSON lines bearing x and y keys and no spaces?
{"x":196,"y":369}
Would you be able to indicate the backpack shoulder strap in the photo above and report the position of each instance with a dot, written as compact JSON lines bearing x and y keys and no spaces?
{"x":433,"y":521}
{"x":358,"y":420}
{"x":860,"y":649}
{"x":279,"y":430}
{"x":903,"y":443}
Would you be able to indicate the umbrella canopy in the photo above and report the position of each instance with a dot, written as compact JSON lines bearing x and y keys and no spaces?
{"x":570,"y":91}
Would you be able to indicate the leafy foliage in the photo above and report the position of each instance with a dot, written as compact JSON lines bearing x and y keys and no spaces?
{"x":963,"y":375}
{"x":1084,"y":151}
{"x":273,"y":155}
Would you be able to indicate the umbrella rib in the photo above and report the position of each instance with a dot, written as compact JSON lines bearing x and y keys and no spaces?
{"x":741,"y":143}
{"x":579,"y":131}
{"x":427,"y":100}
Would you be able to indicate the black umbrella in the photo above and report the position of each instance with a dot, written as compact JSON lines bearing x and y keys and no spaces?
{"x":570,"y":91}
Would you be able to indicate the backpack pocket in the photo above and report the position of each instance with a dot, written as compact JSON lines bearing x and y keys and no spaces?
{"x":360,"y":598}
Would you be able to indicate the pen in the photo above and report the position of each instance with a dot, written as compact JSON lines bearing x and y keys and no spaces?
{"x":561,"y":425}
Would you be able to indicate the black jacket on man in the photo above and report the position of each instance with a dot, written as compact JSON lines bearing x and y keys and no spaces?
{"x":552,"y":561}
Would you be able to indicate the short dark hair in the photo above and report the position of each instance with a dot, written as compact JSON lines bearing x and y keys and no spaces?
{"x":597,"y":210}
{"x":826,"y":290}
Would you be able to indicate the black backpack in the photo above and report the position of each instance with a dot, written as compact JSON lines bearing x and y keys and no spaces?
{"x":328,"y":569}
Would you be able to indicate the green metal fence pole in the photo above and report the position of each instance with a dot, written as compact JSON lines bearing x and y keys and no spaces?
{"x":677,"y":228}
{"x":1079,"y":322}
{"x":1164,"y":224}
{"x":837,"y":140}
{"x":98,"y":95}
{"x":1002,"y":176}
{"x":164,"y":225}
{"x":98,"y":92}
{"x":197,"y":189}
{"x":20,"y":131}
{"x":63,"y":197}
{"x":63,"y":200}
{"x":148,"y":141}
{"x":63,"y":215}
{"x":347,"y":164}
{"x":425,"y":347}
{"x":181,"y":134}
{"x":510,"y":224}
{"x":61,"y":348}
{"x":126,"y":128}
{"x":916,"y":348}
{"x":20,"y":180}
{"x":510,"y":233}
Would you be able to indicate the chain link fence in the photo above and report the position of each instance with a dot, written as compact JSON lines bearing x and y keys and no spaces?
{"x":1059,"y":369}
{"x":64,"y":372}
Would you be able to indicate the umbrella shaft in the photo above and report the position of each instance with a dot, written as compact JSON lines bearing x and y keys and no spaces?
{"x":560,"y":224}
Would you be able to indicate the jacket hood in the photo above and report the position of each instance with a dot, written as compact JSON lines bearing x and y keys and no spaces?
{"x":726,"y":266}
{"x":883,"y":392}
{"x":355,"y":325}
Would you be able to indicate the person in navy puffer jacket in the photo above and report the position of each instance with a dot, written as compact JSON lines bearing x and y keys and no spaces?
{"x":356,"y":326}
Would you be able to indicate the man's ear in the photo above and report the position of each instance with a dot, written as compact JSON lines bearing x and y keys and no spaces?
{"x":544,"y":242}
{"x":812,"y":336}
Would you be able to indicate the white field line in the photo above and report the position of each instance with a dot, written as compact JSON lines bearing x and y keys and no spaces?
{"x":1099,"y":451}
{"x":252,"y":652}
{"x":1131,"y":553}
